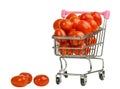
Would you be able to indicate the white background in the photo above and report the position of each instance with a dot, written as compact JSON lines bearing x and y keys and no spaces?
{"x":26,"y":43}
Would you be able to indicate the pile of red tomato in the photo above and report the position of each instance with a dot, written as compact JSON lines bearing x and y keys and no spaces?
{"x":74,"y":25}
{"x":25,"y":78}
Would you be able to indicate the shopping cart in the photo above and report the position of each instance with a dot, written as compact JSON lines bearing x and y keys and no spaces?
{"x":93,"y":50}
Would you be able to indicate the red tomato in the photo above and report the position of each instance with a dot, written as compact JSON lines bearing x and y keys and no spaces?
{"x":71,"y":15}
{"x":84,"y":27}
{"x":93,"y":24}
{"x":82,"y":50}
{"x":27,"y":75}
{"x":74,"y":33}
{"x":75,"y":21}
{"x":60,"y":32}
{"x":79,"y":51}
{"x":79,"y":16}
{"x":97,"y":17}
{"x":91,"y":40}
{"x":86,"y":51}
{"x":56,"y":24}
{"x":41,"y":80}
{"x":86,"y":16}
{"x":64,"y":50}
{"x":19,"y":81}
{"x":66,"y":25}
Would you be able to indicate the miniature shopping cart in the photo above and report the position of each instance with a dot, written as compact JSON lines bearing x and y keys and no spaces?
{"x":95,"y":49}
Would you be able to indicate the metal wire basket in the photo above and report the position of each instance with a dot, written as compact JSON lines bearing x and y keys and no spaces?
{"x":94,"y":47}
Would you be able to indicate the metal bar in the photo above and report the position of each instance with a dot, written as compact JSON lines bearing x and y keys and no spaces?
{"x":104,"y":26}
{"x":93,"y":71}
{"x":95,"y":45}
{"x":77,"y":38}
{"x":90,"y":65}
{"x":55,"y":46}
{"x":72,"y":74}
{"x":61,"y":65}
{"x":65,"y":64}
{"x":75,"y":74}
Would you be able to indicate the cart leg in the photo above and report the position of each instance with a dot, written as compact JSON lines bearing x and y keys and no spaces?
{"x":62,"y":70}
{"x":65,"y":64}
{"x":102,"y":73}
{"x":61,"y":64}
{"x":58,"y":75}
{"x":90,"y":71}
{"x":90,"y":65}
{"x":102,"y":63}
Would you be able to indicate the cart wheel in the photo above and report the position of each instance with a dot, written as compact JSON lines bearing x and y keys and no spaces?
{"x":66,"y":76}
{"x":83,"y":80}
{"x":102,"y":75}
{"x":58,"y":80}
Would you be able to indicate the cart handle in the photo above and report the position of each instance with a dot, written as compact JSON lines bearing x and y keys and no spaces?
{"x":106,"y":13}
